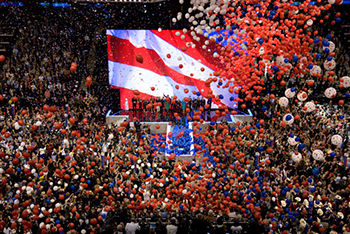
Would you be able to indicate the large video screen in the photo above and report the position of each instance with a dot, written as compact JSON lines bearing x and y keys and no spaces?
{"x":164,"y":62}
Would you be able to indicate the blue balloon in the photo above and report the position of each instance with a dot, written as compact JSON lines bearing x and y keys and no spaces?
{"x":272,"y":12}
{"x":296,"y":190}
{"x":312,"y":189}
{"x":259,"y":14}
{"x":220,"y":38}
{"x":297,"y":139}
{"x":329,"y":36}
{"x":48,"y":201}
{"x":275,"y":68}
{"x":88,"y":182}
{"x":301,"y":146}
{"x":316,"y":40}
{"x":257,"y":125}
{"x":72,"y":187}
{"x":264,"y":108}
{"x":220,"y":83}
{"x":198,"y":93}
{"x":19,"y":169}
{"x":333,"y":154}
{"x":103,"y":215}
{"x":232,"y":99}
{"x":326,"y":50}
{"x":231,"y":32}
{"x":236,"y":53}
{"x":286,"y":60}
{"x":212,"y":123}
{"x":288,"y":117}
{"x":57,"y":221}
{"x":295,"y":58}
{"x":270,"y":17}
{"x":234,"y":27}
{"x":329,"y":58}
{"x":292,"y":89}
{"x":341,"y":116}
{"x":291,"y":135}
{"x":347,"y":95}
{"x":267,"y":142}
{"x":221,"y":96}
{"x":310,"y":66}
{"x":318,"y":56}
{"x":261,"y":41}
{"x":233,"y":129}
{"x":338,"y":19}
{"x":275,"y":8}
{"x":325,"y":43}
{"x":260,"y":148}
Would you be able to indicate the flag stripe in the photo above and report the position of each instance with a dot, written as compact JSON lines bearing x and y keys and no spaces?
{"x":198,"y":52}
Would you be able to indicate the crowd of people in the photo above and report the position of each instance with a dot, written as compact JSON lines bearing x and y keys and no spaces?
{"x":63,"y":170}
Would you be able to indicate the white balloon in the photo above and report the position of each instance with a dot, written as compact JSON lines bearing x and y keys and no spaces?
{"x":345,"y":82}
{"x":291,"y":141}
{"x":315,"y":70}
{"x":329,"y":65}
{"x":336,"y":139}
{"x":289,"y":93}
{"x":309,"y":22}
{"x":330,"y":92}
{"x":17,"y":126}
{"x":318,"y":155}
{"x":296,"y":157}
{"x":310,"y":106}
{"x":331,"y":47}
{"x":302,"y":96}
{"x":283,"y":101}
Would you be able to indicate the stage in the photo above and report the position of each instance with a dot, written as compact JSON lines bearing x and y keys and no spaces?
{"x":162,"y":119}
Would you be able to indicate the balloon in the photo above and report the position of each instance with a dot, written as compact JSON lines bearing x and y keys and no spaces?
{"x":310,"y":106}
{"x":296,"y":157}
{"x":289,"y":93}
{"x":345,"y":81}
{"x":336,"y":140}
{"x":318,"y":155}
{"x":283,"y":101}
{"x":2,"y":58}
{"x":330,"y":92}
{"x":302,"y":96}
{"x":289,"y":119}
{"x":139,"y":58}
{"x":291,"y":141}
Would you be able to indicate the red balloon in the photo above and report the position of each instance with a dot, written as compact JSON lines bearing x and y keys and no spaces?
{"x":2,"y":58}
{"x":72,"y":120}
{"x":139,"y":58}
